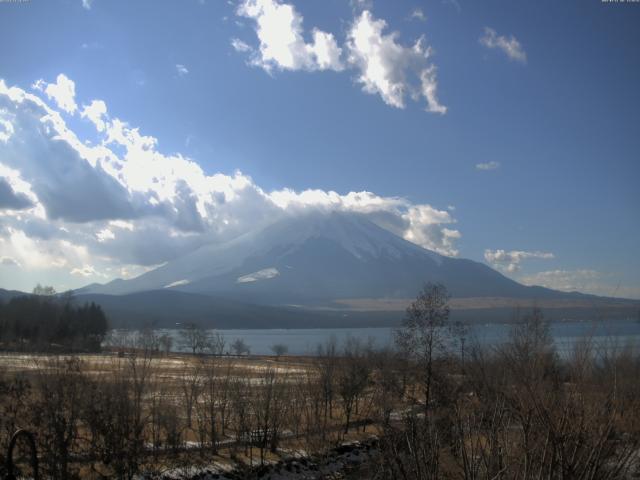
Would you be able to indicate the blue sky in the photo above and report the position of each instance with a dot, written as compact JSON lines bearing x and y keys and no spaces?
{"x":526,"y":155}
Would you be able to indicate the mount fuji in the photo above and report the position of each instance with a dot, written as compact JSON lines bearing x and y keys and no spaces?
{"x":315,"y":258}
{"x":325,"y":269}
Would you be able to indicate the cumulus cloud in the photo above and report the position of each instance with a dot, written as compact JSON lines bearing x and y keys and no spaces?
{"x":492,"y":165}
{"x":282,"y":46}
{"x":36,"y":253}
{"x":70,"y":180}
{"x":510,"y":46}
{"x":121,"y":206}
{"x":96,"y":112}
{"x":510,"y":261}
{"x":63,"y":92}
{"x":423,"y":225}
{"x":386,"y":66}
{"x":383,"y":65}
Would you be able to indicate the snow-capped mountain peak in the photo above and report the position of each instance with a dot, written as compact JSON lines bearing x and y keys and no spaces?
{"x":317,"y":257}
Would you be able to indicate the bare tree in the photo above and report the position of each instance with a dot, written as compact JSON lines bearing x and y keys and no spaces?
{"x":109,"y":414}
{"x":389,"y":387}
{"x":240,"y":397}
{"x":191,"y":389}
{"x":139,"y":371}
{"x":266,"y":408}
{"x":423,"y":334}
{"x":148,"y":340}
{"x":165,"y":342}
{"x":44,"y":291}
{"x":120,"y":340}
{"x":216,"y":343}
{"x":15,"y":408}
{"x":209,"y":408}
{"x":194,"y":338}
{"x":279,"y":349}
{"x":224,"y":396}
{"x":352,"y":377}
{"x":326,"y":363}
{"x":56,"y":411}
{"x":240,"y":347}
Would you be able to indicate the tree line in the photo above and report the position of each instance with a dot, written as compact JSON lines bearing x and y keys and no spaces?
{"x":45,"y":321}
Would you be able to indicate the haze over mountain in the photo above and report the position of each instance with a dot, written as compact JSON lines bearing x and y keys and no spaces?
{"x":319,"y":257}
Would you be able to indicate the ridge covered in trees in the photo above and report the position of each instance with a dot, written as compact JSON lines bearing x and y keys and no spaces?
{"x":47,"y":321}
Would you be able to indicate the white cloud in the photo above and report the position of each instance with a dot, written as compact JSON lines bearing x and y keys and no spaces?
{"x":426,"y":228}
{"x":96,"y":112}
{"x":282,"y":46}
{"x":105,"y":235}
{"x":86,"y":4}
{"x":510,"y":261}
{"x":122,"y":206}
{"x":63,"y":92}
{"x":325,"y":51}
{"x":240,"y":46}
{"x":418,"y":14}
{"x":423,"y":224}
{"x":181,"y":69}
{"x":386,"y":67}
{"x":6,"y":129}
{"x":120,"y":224}
{"x":86,"y":271}
{"x":492,"y":165}
{"x":39,"y":254}
{"x":71,"y":180}
{"x":510,"y":46}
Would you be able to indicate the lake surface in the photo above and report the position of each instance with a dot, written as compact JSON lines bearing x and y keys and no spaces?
{"x":617,"y":333}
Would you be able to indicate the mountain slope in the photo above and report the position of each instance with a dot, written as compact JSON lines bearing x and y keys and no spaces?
{"x":167,"y":309}
{"x":317,"y":258}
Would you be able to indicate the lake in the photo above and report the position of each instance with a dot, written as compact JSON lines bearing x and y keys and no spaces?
{"x":305,"y":341}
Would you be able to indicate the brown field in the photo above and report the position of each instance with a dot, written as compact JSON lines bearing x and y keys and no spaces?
{"x":517,"y":411}
{"x":192,"y":411}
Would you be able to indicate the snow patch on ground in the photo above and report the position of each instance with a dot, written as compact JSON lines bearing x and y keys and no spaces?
{"x":337,"y":464}
{"x":263,"y":274}
{"x":177,"y":284}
